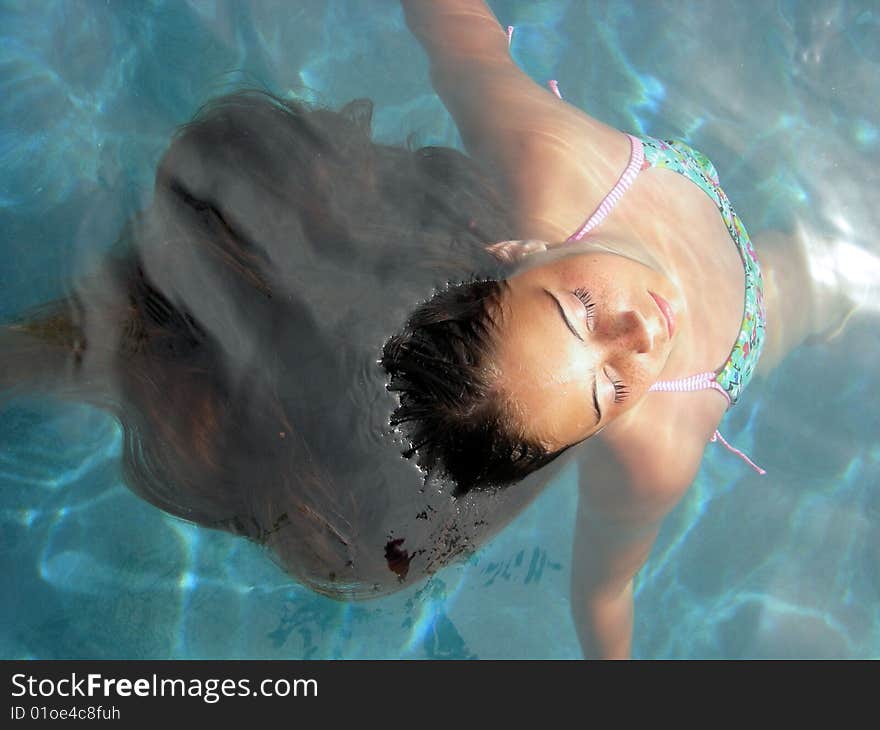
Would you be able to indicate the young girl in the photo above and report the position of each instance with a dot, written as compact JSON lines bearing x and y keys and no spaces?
{"x":638,"y":314}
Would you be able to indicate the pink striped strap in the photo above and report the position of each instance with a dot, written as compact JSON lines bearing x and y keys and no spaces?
{"x":700,"y":381}
{"x":718,"y":437}
{"x":704,"y":381}
{"x":636,"y":160}
{"x":636,"y":164}
{"x":554,"y":87}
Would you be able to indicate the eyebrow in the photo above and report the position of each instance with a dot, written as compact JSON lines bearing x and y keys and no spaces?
{"x":570,"y":325}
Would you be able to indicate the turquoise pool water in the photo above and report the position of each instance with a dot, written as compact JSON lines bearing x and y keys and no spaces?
{"x":782,"y":97}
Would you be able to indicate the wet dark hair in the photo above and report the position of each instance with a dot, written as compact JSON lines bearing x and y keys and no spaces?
{"x":456,"y":418}
{"x":235,"y":328}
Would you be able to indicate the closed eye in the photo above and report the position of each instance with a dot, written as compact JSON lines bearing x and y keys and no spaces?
{"x":620,"y":390}
{"x":564,"y":315}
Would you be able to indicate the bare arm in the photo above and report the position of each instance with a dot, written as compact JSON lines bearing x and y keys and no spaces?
{"x":621,"y":506}
{"x":490,"y":98}
{"x":506,"y":120}
{"x":457,"y":31}
{"x":607,"y":555}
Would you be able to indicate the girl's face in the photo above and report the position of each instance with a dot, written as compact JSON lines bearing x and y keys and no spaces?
{"x":581,"y":339}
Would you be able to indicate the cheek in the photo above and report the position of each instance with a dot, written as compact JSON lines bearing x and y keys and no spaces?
{"x":559,"y":415}
{"x":550,"y":391}
{"x":637,"y":378}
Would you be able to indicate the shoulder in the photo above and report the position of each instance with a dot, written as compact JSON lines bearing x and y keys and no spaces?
{"x":526,"y":136}
{"x":639,"y":469}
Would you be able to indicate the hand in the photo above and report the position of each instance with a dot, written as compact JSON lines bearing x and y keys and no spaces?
{"x":512,"y":251}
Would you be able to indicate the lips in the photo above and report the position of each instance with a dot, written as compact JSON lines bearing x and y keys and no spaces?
{"x":666,"y":311}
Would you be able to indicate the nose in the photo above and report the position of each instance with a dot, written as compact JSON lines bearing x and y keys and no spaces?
{"x":627,"y":332}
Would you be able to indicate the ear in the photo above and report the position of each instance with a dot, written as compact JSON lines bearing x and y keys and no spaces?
{"x":512,"y":251}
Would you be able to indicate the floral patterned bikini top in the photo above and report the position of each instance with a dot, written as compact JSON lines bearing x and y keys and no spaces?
{"x":734,"y":375}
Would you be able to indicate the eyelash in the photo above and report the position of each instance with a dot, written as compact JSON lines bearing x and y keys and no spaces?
{"x":620,"y":390}
{"x":589,"y":304}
